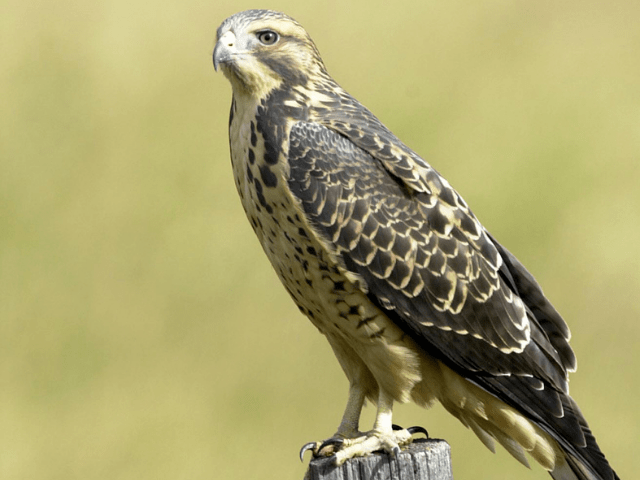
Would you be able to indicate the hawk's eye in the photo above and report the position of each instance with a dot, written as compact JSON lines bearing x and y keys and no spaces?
{"x":268,"y":37}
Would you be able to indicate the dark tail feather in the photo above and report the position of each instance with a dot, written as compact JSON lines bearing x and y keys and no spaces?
{"x":574,"y":469}
{"x":583,"y":462}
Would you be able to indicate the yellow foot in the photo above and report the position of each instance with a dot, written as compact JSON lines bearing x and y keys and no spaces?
{"x":342,"y":449}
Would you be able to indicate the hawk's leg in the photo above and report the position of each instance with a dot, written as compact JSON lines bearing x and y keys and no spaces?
{"x":382,"y":437}
{"x":349,"y":442}
{"x":348,"y":426}
{"x":351,"y":418}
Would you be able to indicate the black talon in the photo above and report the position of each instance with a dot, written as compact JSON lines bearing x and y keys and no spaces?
{"x":335,"y":441}
{"x":396,"y":427}
{"x":305,"y":447}
{"x":414,"y":430}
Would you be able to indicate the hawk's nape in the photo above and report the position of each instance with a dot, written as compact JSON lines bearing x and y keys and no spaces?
{"x":418,"y":301}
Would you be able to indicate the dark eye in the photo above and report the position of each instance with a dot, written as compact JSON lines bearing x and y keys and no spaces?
{"x":268,"y":37}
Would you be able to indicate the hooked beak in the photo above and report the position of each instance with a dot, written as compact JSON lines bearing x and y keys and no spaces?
{"x":223,"y":51}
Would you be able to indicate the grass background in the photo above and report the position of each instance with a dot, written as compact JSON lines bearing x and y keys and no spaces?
{"x":143,"y":333}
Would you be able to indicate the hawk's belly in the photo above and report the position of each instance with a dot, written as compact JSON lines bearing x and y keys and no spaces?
{"x":367,"y":343}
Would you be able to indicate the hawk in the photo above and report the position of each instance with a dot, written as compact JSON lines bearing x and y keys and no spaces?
{"x":417,"y":300}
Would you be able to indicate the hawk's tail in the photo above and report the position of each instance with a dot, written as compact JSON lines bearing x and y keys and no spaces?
{"x":574,"y":469}
{"x":583,"y":461}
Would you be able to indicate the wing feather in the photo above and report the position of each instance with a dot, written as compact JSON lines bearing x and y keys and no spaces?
{"x":428,"y":258}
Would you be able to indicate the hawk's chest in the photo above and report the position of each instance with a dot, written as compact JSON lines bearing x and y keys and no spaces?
{"x":305,"y":264}
{"x":259,"y":170}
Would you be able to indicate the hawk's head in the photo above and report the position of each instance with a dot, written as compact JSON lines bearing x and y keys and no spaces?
{"x":260,"y":50}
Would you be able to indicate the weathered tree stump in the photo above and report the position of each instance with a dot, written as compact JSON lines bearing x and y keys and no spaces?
{"x":424,"y":459}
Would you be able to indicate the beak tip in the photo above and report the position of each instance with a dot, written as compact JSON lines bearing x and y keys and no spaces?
{"x":223,"y":50}
{"x":216,"y":60}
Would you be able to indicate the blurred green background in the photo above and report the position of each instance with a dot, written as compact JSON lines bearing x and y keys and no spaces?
{"x":143,"y":333}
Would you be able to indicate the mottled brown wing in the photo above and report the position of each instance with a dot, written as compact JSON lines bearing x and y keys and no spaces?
{"x":351,"y":119}
{"x":423,"y":256}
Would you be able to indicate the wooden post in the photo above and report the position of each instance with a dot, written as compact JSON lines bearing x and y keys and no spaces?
{"x":424,"y":459}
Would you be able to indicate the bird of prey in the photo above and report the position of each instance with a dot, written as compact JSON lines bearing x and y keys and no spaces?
{"x":417,"y":300}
